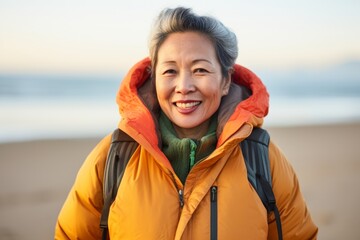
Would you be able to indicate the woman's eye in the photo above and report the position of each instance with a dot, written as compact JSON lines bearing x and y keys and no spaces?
{"x":169,"y":71}
{"x":200,"y":70}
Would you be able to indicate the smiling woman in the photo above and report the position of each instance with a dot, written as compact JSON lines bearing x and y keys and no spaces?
{"x":189,"y":84}
{"x":188,"y":106}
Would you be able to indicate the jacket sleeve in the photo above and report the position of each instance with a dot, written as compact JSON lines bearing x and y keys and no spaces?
{"x":295,"y":218}
{"x":79,"y":217}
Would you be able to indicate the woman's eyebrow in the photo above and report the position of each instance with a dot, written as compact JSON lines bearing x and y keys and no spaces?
{"x":201,"y":60}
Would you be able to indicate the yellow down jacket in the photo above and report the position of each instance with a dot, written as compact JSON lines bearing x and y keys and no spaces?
{"x":147,"y":205}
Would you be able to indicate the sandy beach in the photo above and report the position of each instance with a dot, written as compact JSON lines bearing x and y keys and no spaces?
{"x":35,"y":177}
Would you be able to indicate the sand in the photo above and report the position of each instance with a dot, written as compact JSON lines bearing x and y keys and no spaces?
{"x":35,"y":177}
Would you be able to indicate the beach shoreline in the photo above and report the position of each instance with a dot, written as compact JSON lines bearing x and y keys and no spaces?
{"x":37,"y":175}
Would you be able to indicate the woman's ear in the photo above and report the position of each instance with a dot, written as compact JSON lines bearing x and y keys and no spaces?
{"x":227,"y":82}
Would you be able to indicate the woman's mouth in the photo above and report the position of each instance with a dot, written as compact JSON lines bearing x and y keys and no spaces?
{"x":187,"y":107}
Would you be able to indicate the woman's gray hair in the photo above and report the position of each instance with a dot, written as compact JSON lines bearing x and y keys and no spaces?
{"x":182,"y":20}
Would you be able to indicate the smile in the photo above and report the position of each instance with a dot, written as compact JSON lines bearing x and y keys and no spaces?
{"x":187,"y":105}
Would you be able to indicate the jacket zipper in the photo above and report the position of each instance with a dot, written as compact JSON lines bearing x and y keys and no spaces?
{"x":179,"y":190}
{"x":213,"y":213}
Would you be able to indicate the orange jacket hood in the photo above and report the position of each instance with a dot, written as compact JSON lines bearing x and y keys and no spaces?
{"x":137,"y":103}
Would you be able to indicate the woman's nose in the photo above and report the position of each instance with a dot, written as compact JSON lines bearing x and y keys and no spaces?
{"x":184,"y":83}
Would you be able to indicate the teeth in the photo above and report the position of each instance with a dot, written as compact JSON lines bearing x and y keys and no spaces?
{"x":187,"y":105}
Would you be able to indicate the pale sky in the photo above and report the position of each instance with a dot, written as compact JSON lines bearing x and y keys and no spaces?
{"x":86,"y":36}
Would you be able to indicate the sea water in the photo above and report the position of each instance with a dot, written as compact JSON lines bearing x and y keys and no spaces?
{"x":68,"y":106}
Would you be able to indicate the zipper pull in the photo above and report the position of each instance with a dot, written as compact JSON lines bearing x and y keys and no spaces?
{"x":181,"y":198}
{"x":214,"y":193}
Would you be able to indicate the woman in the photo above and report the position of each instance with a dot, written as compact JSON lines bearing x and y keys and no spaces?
{"x":188,"y":106}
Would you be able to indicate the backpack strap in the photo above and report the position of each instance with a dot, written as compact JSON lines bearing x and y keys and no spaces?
{"x":121,"y":149}
{"x":256,"y":154}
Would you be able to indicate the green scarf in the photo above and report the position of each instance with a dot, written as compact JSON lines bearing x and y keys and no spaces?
{"x":184,"y":153}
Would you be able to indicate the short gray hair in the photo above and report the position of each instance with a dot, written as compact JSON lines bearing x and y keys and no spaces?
{"x":182,"y":19}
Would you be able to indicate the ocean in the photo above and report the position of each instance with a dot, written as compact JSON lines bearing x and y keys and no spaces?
{"x":45,"y":106}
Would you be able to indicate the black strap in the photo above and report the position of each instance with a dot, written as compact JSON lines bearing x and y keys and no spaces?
{"x":121,"y":149}
{"x":270,"y":203}
{"x":255,"y":149}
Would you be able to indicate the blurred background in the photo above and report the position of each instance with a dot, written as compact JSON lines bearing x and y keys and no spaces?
{"x":61,"y":63}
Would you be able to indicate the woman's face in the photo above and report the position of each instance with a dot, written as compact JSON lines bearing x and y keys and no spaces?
{"x":189,"y":83}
